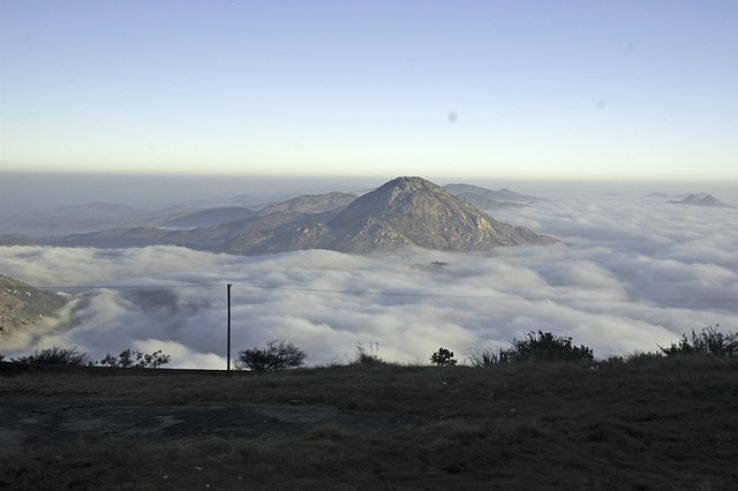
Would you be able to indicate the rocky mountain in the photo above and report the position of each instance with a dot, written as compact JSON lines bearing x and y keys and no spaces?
{"x":489,"y":199}
{"x":701,"y":199}
{"x":22,"y":305}
{"x":402,"y":212}
{"x":313,"y":203}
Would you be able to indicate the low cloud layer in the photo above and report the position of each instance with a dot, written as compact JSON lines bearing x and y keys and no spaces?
{"x":632,"y":273}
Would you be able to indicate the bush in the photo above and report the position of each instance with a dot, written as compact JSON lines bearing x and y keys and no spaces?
{"x":367,"y":355}
{"x":710,"y":341}
{"x":643,"y":357}
{"x":485,"y":358}
{"x":56,"y":356}
{"x":2,"y":357}
{"x":544,"y":346}
{"x":443,"y":358}
{"x":135,"y":359}
{"x":277,"y":355}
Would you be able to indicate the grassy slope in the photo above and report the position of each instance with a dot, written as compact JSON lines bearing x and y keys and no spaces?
{"x":670,"y":423}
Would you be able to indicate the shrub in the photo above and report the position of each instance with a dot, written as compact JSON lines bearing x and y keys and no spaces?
{"x":443,"y":358}
{"x":367,"y":355}
{"x":544,"y":346}
{"x":710,"y":341}
{"x":2,"y":357}
{"x":135,"y":359}
{"x":485,"y":358}
{"x":277,"y":355}
{"x":56,"y":356}
{"x":643,"y":357}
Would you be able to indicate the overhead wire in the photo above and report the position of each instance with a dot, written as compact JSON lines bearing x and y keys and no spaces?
{"x":369,"y":292}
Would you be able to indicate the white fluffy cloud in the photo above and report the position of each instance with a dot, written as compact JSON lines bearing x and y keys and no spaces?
{"x":632,"y":273}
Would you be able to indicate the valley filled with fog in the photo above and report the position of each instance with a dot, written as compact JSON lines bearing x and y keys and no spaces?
{"x":631,"y":272}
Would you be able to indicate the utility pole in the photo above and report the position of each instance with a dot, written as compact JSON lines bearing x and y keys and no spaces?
{"x":228,"y":367}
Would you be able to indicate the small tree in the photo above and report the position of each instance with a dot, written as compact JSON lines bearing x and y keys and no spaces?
{"x":443,"y":358}
{"x":544,"y":346}
{"x":135,"y":359}
{"x":710,"y":341}
{"x":56,"y":356}
{"x":277,"y":355}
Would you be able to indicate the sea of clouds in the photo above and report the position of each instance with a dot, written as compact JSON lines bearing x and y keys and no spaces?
{"x":630,"y":274}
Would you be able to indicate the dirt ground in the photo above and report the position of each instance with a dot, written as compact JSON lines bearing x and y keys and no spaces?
{"x":28,"y":422}
{"x":658,"y":423}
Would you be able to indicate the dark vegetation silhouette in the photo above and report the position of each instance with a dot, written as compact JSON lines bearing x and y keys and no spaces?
{"x":73,"y":357}
{"x":277,"y":355}
{"x":367,"y":355}
{"x":545,"y":346}
{"x":135,"y":359}
{"x":488,"y":357}
{"x":535,"y":347}
{"x":57,"y":356}
{"x":710,"y":341}
{"x":443,"y":358}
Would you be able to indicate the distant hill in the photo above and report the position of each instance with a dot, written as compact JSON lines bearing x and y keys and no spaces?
{"x":489,"y":199}
{"x":313,"y":203}
{"x":84,"y":218}
{"x":405,"y":211}
{"x":22,"y":305}
{"x":15,"y":240}
{"x":99,"y":209}
{"x":210,"y":216}
{"x":701,"y":199}
{"x":663,"y":195}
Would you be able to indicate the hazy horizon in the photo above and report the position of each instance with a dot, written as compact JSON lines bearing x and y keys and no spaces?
{"x":39,"y":190}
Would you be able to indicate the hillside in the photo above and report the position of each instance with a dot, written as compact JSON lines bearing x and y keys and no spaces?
{"x":312,"y":203}
{"x":22,"y":305}
{"x":403,"y":212}
{"x":701,"y":199}
{"x":209,"y":216}
{"x":488,"y":199}
{"x":657,"y":424}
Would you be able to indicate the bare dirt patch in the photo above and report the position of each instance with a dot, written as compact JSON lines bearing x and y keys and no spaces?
{"x":27,"y":422}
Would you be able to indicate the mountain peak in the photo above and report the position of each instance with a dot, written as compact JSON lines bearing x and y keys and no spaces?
{"x":405,"y":185}
{"x":413,"y":210}
{"x":408,"y":182}
{"x":702,"y":199}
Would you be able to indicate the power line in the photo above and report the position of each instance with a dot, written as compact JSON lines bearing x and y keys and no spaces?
{"x":355,"y":292}
{"x":111,"y":287}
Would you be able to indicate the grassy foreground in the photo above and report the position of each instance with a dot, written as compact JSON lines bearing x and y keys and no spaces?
{"x":669,"y":423}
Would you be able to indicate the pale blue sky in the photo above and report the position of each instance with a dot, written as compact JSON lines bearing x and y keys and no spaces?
{"x":550,"y":89}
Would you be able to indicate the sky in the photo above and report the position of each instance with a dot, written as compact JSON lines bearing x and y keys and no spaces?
{"x":490,"y":89}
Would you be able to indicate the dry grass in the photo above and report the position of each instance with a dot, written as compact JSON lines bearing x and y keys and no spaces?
{"x":658,"y":424}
